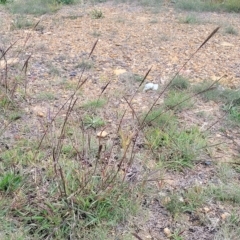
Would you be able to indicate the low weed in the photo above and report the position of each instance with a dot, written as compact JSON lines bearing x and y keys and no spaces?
{"x":45,"y":96}
{"x":94,"y":104}
{"x":87,"y":65}
{"x":180,"y":83}
{"x":225,"y":192}
{"x":189,"y":19}
{"x":35,"y":7}
{"x":186,"y":202}
{"x":229,"y":229}
{"x":175,"y":100}
{"x":199,"y":5}
{"x":10,"y":181}
{"x":93,"y":121}
{"x":96,"y":14}
{"x":231,"y":30}
{"x":160,"y":118}
{"x":211,"y":95}
{"x":175,"y":148}
{"x":21,"y":22}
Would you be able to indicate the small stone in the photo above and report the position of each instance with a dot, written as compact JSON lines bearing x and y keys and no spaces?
{"x":40,"y":114}
{"x":225,"y":215}
{"x":181,"y":199}
{"x":119,"y":71}
{"x":167,"y":232}
{"x":226,"y":44}
{"x":10,"y":61}
{"x":150,"y":86}
{"x":102,"y":134}
{"x":206,"y":209}
{"x":73,"y":74}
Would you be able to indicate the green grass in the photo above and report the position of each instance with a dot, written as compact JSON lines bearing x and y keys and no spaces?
{"x":229,"y":229}
{"x":35,"y":7}
{"x":211,"y":95}
{"x":45,"y":96}
{"x":94,"y":104}
{"x":93,"y":121}
{"x":175,"y":100}
{"x":175,"y":148}
{"x":188,"y":201}
{"x":96,"y":14}
{"x":231,"y":30}
{"x":74,"y":204}
{"x":21,"y":22}
{"x":160,"y":118}
{"x":180,"y":83}
{"x":87,"y":65}
{"x":189,"y":19}
{"x":229,"y":192}
{"x":199,"y":5}
{"x":9,"y":182}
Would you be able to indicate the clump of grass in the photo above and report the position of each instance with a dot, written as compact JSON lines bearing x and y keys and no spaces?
{"x":229,"y":229}
{"x":10,"y":181}
{"x":67,"y":2}
{"x":96,"y":33}
{"x":225,"y":192}
{"x":21,"y":22}
{"x":188,"y":201}
{"x":138,"y":77}
{"x":211,"y":95}
{"x":96,"y":14}
{"x":94,"y":104}
{"x":231,"y":30}
{"x":176,"y":149}
{"x":179,"y":82}
{"x":176,"y":100}
{"x":189,"y":19}
{"x":93,"y":121}
{"x":160,"y":118}
{"x":85,"y":65}
{"x":45,"y":96}
{"x":3,"y":1}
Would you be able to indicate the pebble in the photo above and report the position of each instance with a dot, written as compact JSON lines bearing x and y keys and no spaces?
{"x":167,"y":232}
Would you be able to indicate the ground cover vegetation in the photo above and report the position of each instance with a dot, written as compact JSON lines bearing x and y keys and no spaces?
{"x":82,"y":165}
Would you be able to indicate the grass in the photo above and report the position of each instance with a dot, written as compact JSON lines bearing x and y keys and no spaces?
{"x":231,"y":30}
{"x":21,"y":22}
{"x":60,"y":180}
{"x":227,"y":98}
{"x":189,"y":19}
{"x":96,"y":14}
{"x":10,"y":182}
{"x":93,"y":121}
{"x":87,"y":65}
{"x":175,"y":148}
{"x":35,"y":7}
{"x":176,"y":100}
{"x":180,"y":83}
{"x":230,"y":228}
{"x":94,"y":104}
{"x":45,"y":96}
{"x":198,"y":5}
{"x":159,"y":118}
{"x":186,"y":202}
